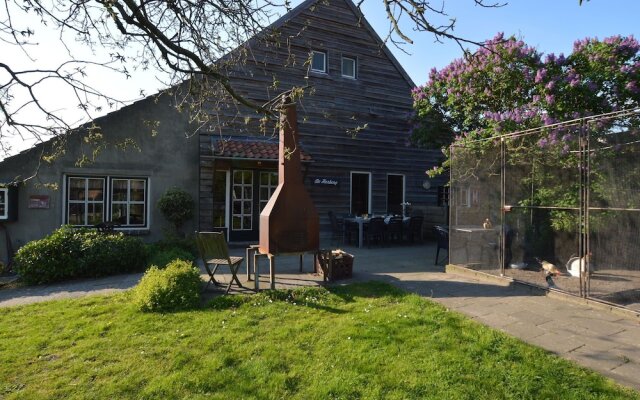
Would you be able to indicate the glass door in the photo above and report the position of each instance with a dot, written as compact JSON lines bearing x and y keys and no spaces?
{"x":221,"y":201}
{"x":243,"y":226}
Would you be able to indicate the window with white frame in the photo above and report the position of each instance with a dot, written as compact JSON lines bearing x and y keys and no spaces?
{"x":128,"y":201}
{"x":4,"y":203}
{"x":242,"y":201}
{"x":318,"y":61}
{"x":395,"y":193}
{"x":85,"y":201}
{"x":349,"y":67}
{"x":360,"y":193}
{"x":91,"y":199}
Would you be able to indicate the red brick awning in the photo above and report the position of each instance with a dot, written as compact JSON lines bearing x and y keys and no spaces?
{"x":250,"y":149}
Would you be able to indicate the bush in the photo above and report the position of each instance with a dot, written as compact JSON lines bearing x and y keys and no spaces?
{"x":171,"y":242}
{"x":78,"y":253}
{"x":161,"y":258}
{"x":177,"y":287}
{"x":177,"y":206}
{"x":111,"y":254}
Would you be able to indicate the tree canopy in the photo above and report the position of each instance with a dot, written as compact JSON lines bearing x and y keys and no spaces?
{"x":508,"y":86}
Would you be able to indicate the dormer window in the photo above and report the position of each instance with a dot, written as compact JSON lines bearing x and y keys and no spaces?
{"x":349,"y":67}
{"x":319,"y":61}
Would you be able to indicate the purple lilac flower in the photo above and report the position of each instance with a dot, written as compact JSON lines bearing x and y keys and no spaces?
{"x":540,"y":75}
{"x":547,"y":120}
{"x":542,"y":143}
{"x":632,"y":86}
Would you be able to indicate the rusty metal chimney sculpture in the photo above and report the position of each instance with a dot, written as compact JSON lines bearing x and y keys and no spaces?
{"x":289,"y":222}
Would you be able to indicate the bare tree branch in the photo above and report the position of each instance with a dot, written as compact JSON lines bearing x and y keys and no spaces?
{"x":190,"y":45}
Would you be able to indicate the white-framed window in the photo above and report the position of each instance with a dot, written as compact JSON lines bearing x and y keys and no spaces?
{"x":349,"y":67}
{"x":395,"y":193}
{"x":90,"y":200}
{"x":129,"y":201}
{"x":4,"y":203}
{"x":318,"y":61}
{"x":242,"y":201}
{"x":268,"y":185}
{"x":85,"y":200}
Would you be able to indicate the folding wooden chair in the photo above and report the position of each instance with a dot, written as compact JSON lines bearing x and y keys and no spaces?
{"x":214,"y":252}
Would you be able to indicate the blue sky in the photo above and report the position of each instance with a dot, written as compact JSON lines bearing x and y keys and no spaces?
{"x":551,"y":26}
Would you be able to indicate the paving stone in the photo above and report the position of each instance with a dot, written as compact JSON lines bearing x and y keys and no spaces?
{"x":594,"y":326}
{"x":523,"y":330}
{"x":598,"y":360}
{"x":555,"y":343}
{"x":530,"y":317}
{"x":473,"y":310}
{"x":627,"y":374}
{"x":627,"y":352}
{"x":496,"y":319}
{"x":628,"y":336}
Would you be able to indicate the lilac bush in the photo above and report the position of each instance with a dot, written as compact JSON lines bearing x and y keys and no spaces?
{"x":509,"y":86}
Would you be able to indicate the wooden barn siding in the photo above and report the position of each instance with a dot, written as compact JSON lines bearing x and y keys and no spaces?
{"x":380,"y":97}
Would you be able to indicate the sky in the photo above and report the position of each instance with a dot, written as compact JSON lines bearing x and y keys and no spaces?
{"x":549,"y":25}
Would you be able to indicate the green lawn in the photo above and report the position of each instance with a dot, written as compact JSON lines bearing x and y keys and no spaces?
{"x":363,"y":341}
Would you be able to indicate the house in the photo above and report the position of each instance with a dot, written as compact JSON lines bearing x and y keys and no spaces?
{"x":232,"y":171}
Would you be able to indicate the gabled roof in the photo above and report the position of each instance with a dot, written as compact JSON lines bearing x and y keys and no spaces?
{"x":308,"y":3}
{"x":275,"y":25}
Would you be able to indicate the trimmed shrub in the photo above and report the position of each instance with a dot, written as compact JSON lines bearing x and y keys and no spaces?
{"x":177,"y":287}
{"x":177,"y":206}
{"x":161,"y":258}
{"x":111,"y":254}
{"x":78,"y":253}
{"x":187,"y":245}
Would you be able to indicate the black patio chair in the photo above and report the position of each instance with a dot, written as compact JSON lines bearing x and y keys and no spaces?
{"x":394,"y":229}
{"x":414,"y":228}
{"x":351,"y":232}
{"x":374,"y":232}
{"x":107,"y":227}
{"x":442,"y":237}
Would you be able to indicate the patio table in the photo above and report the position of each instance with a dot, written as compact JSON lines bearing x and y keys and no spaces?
{"x":361,"y":221}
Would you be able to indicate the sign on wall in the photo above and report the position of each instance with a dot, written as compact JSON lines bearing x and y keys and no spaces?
{"x":325,"y":181}
{"x":38,"y":201}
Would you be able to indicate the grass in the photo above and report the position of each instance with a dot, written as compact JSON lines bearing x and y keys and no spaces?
{"x":362,"y":341}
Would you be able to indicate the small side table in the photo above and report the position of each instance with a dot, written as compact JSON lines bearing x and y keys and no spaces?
{"x":251,"y":250}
